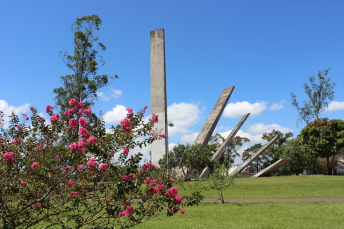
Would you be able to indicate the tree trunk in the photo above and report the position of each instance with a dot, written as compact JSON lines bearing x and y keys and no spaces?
{"x":329,"y":169}
{"x":222,"y":200}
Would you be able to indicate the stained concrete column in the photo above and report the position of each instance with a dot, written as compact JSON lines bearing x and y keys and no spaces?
{"x":158,"y":91}
{"x":209,"y":126}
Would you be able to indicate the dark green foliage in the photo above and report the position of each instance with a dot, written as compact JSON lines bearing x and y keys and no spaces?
{"x":83,"y":84}
{"x":301,"y":159}
{"x":324,"y":138}
{"x":231,"y":150}
{"x":188,"y":158}
{"x":318,"y":95}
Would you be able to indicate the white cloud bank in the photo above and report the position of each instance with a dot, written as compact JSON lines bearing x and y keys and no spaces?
{"x":114,"y":94}
{"x":335,"y":106}
{"x":262,"y":128}
{"x":277,"y":106}
{"x":8,"y":109}
{"x":117,"y":114}
{"x":189,"y":137}
{"x":238,"y":109}
{"x":182,"y":115}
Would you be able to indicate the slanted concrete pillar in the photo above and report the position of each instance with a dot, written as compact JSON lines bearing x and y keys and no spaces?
{"x":253,"y":157}
{"x":158,"y":91}
{"x":209,"y":126}
{"x":222,"y":148}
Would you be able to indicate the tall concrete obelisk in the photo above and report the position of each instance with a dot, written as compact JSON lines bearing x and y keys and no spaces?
{"x":158,"y":91}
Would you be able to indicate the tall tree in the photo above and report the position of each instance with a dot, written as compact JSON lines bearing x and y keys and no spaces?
{"x":318,"y":95}
{"x":325,"y":138}
{"x":83,"y":84}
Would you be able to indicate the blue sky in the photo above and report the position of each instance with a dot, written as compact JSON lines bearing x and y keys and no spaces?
{"x":266,"y":49}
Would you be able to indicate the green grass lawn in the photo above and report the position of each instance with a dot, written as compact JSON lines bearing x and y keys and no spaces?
{"x":255,"y":215}
{"x":317,"y":186}
{"x":264,"y":214}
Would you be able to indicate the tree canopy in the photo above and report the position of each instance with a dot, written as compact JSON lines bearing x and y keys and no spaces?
{"x":83,"y":84}
{"x":318,"y":95}
{"x":324,"y":138}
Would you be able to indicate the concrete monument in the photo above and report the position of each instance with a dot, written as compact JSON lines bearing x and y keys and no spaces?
{"x":274,"y":167}
{"x":158,"y":91}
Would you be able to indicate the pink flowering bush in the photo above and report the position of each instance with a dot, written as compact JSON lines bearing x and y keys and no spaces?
{"x":62,"y":174}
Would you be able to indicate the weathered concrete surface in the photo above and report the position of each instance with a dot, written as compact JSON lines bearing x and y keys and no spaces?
{"x":222,"y":148}
{"x":254,"y":156}
{"x":274,"y":167}
{"x":158,"y":91}
{"x":209,"y":126}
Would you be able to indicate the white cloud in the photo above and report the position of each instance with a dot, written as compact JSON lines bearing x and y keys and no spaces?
{"x":102,"y":96}
{"x":262,"y":128}
{"x":7,"y":109}
{"x":277,"y":106}
{"x":335,"y":106}
{"x":116,"y":93}
{"x":238,"y":109}
{"x":182,"y":115}
{"x":189,"y":137}
{"x":171,"y":146}
{"x":256,"y":138}
{"x":117,"y":114}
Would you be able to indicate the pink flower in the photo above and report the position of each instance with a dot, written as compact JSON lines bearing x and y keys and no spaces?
{"x":158,"y":188}
{"x":74,"y":193}
{"x":83,"y":122}
{"x":48,"y":109}
{"x":149,"y":181}
{"x":40,"y":148}
{"x":34,"y":165}
{"x":125,"y":151}
{"x":128,"y":212}
{"x":19,"y":126}
{"x":125,"y":123}
{"x":125,"y":203}
{"x":58,"y":156}
{"x":79,"y":112}
{"x":73,"y":102}
{"x":41,"y":120}
{"x":84,"y":132}
{"x":70,"y":111}
{"x":182,"y":211}
{"x":154,"y":118}
{"x":32,"y":108}
{"x":148,"y":166}
{"x":23,"y":114}
{"x":81,"y":104}
{"x":87,"y":111}
{"x":67,"y":168}
{"x":80,"y":167}
{"x":14,"y":141}
{"x":65,"y":113}
{"x":73,"y":123}
{"x":174,"y":209}
{"x":69,"y":183}
{"x":172,"y":192}
{"x":178,"y":199}
{"x":38,"y":205}
{"x":9,"y":156}
{"x":104,"y":166}
{"x":91,"y":140}
{"x":84,"y":191}
{"x":78,"y":147}
{"x":92,"y":163}
{"x":55,"y":118}
{"x":163,"y":135}
{"x":24,"y":182}
{"x":26,"y":118}
{"x":130,"y":112}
